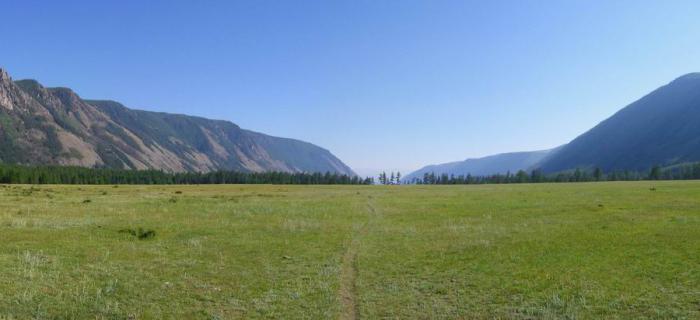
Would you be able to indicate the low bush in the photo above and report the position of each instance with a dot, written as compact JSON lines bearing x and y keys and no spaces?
{"x":140,"y":233}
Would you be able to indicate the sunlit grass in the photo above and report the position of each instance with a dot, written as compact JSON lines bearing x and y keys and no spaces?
{"x":220,"y":252}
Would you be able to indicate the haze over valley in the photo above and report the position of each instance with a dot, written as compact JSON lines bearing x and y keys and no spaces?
{"x":506,"y":159}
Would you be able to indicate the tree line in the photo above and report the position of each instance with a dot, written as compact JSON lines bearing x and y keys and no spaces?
{"x":393,"y":179}
{"x":16,"y":174}
{"x":678,"y":172}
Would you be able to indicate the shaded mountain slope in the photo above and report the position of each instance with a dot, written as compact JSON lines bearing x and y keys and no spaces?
{"x":662,"y":128}
{"x":501,"y":163}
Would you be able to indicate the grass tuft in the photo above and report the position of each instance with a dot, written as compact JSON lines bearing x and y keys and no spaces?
{"x":140,"y":233}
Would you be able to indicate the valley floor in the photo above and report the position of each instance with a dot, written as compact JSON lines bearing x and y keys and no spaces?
{"x":585,"y":251}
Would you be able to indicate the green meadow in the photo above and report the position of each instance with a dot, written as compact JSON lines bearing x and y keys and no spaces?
{"x":626,"y":250}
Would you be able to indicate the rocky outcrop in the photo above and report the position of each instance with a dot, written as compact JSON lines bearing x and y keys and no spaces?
{"x":5,"y":81}
{"x":41,"y":125}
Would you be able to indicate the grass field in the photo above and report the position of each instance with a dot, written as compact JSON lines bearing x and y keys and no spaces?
{"x":544,"y":251}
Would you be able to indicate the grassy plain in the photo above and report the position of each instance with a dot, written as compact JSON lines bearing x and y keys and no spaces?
{"x":544,"y":251}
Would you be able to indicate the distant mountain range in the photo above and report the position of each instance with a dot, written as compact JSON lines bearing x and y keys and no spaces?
{"x":500,"y":163}
{"x":662,"y":128}
{"x":41,"y":125}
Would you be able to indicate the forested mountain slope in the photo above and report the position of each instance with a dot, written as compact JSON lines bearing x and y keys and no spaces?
{"x":662,"y":128}
{"x":41,"y":125}
{"x":496,"y":164}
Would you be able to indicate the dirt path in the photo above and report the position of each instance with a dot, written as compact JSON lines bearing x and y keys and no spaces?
{"x":348,"y":286}
{"x":349,"y":270}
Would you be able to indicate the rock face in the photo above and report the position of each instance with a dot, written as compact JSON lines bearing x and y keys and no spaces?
{"x":5,"y":81}
{"x":41,"y":125}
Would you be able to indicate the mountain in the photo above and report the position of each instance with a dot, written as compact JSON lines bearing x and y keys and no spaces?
{"x":662,"y":128}
{"x":501,"y":163}
{"x":41,"y":125}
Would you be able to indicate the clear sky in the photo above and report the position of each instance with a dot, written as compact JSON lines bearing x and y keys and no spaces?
{"x":389,"y":85}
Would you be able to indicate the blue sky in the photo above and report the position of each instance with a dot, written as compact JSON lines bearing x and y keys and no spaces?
{"x":389,"y":85}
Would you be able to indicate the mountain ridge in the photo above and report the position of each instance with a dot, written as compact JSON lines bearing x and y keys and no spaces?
{"x":41,"y":125}
{"x":501,"y":163}
{"x":661,"y":128}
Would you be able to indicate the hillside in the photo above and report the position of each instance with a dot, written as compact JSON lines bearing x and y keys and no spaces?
{"x":662,"y":128}
{"x":41,"y":125}
{"x":500,"y":163}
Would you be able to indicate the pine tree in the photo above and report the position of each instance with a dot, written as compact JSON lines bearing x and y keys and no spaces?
{"x":598,"y":174}
{"x":655,"y":173}
{"x":537,"y":176}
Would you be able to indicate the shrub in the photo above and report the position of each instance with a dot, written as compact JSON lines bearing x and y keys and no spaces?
{"x":140,"y":233}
